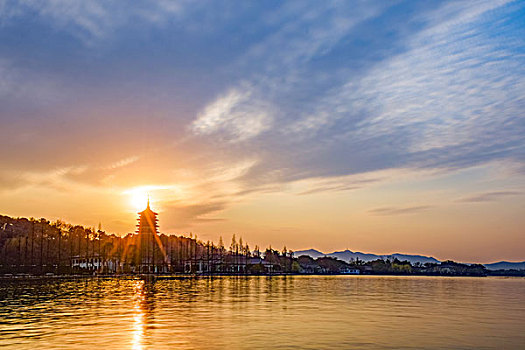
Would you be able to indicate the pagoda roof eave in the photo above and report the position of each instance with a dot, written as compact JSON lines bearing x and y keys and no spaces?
{"x":147,"y":211}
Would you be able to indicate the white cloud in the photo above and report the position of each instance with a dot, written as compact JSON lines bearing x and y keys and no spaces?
{"x":237,"y":114}
{"x":94,"y":19}
{"x":454,"y":85}
{"x":280,"y":59}
{"x":123,"y":162}
{"x":307,"y":32}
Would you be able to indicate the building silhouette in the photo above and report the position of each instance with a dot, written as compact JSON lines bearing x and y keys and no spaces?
{"x":148,"y":260}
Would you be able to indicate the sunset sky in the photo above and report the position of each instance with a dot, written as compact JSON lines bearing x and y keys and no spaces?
{"x":388,"y":126}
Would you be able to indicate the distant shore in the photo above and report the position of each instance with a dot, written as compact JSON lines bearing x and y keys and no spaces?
{"x":205,"y":275}
{"x":37,"y":248}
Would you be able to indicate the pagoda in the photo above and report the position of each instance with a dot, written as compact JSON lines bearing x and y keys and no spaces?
{"x":147,"y":230}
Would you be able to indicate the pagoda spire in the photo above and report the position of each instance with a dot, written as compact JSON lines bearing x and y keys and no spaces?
{"x":148,"y":203}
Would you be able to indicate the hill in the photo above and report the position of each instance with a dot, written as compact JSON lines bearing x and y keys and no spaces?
{"x":506,"y":265}
{"x":348,"y":255}
{"x":310,"y":252}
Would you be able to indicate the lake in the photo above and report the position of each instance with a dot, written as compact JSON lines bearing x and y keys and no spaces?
{"x":284,"y":312}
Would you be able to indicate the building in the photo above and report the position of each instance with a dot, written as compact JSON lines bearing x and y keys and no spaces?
{"x":151,"y":255}
{"x":94,"y":263}
{"x":349,"y":271}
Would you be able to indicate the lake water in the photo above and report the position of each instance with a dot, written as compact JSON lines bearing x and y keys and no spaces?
{"x":282,"y":312}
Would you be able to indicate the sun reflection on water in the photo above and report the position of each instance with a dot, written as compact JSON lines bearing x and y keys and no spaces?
{"x":139,"y":316}
{"x":223,"y":312}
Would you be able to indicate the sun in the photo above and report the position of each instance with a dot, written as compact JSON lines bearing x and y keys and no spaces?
{"x":138,"y":198}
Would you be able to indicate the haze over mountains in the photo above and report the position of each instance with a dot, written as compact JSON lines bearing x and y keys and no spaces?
{"x":506,"y":265}
{"x":348,"y":255}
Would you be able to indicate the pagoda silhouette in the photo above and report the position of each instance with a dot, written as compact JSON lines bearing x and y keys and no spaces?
{"x":147,"y":235}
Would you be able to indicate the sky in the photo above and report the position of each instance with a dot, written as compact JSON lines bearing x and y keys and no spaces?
{"x":375,"y":126}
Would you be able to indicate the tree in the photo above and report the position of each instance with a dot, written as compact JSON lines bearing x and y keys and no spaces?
{"x":222,"y":250}
{"x":221,"y":244}
{"x":233,"y":245}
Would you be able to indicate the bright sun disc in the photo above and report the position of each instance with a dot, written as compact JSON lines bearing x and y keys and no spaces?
{"x":139,"y":199}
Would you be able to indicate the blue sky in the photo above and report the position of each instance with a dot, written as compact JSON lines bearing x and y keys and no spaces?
{"x":215,"y":105}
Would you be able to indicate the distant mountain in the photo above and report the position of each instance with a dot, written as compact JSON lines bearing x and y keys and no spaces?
{"x":310,"y":252}
{"x":415,"y":258}
{"x":348,"y":255}
{"x":505,"y":265}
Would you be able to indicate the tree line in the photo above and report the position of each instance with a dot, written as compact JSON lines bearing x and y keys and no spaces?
{"x":38,"y":246}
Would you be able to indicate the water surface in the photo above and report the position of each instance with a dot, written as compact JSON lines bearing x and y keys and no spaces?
{"x":285,"y":312}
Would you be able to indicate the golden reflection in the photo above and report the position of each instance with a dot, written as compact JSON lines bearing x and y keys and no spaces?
{"x":143,"y":308}
{"x":139,"y":317}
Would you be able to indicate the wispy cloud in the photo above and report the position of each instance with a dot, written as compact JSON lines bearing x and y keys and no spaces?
{"x":93,"y":20}
{"x":180,"y":215}
{"x":444,"y":93}
{"x":399,"y":210}
{"x":489,"y":196}
{"x":338,"y":184}
{"x":448,"y":96}
{"x":237,"y":114}
{"x":123,"y":162}
{"x":327,"y":189}
{"x":56,"y":178}
{"x":309,"y":30}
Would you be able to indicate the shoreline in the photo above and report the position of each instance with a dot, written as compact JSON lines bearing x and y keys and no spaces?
{"x":196,"y":276}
